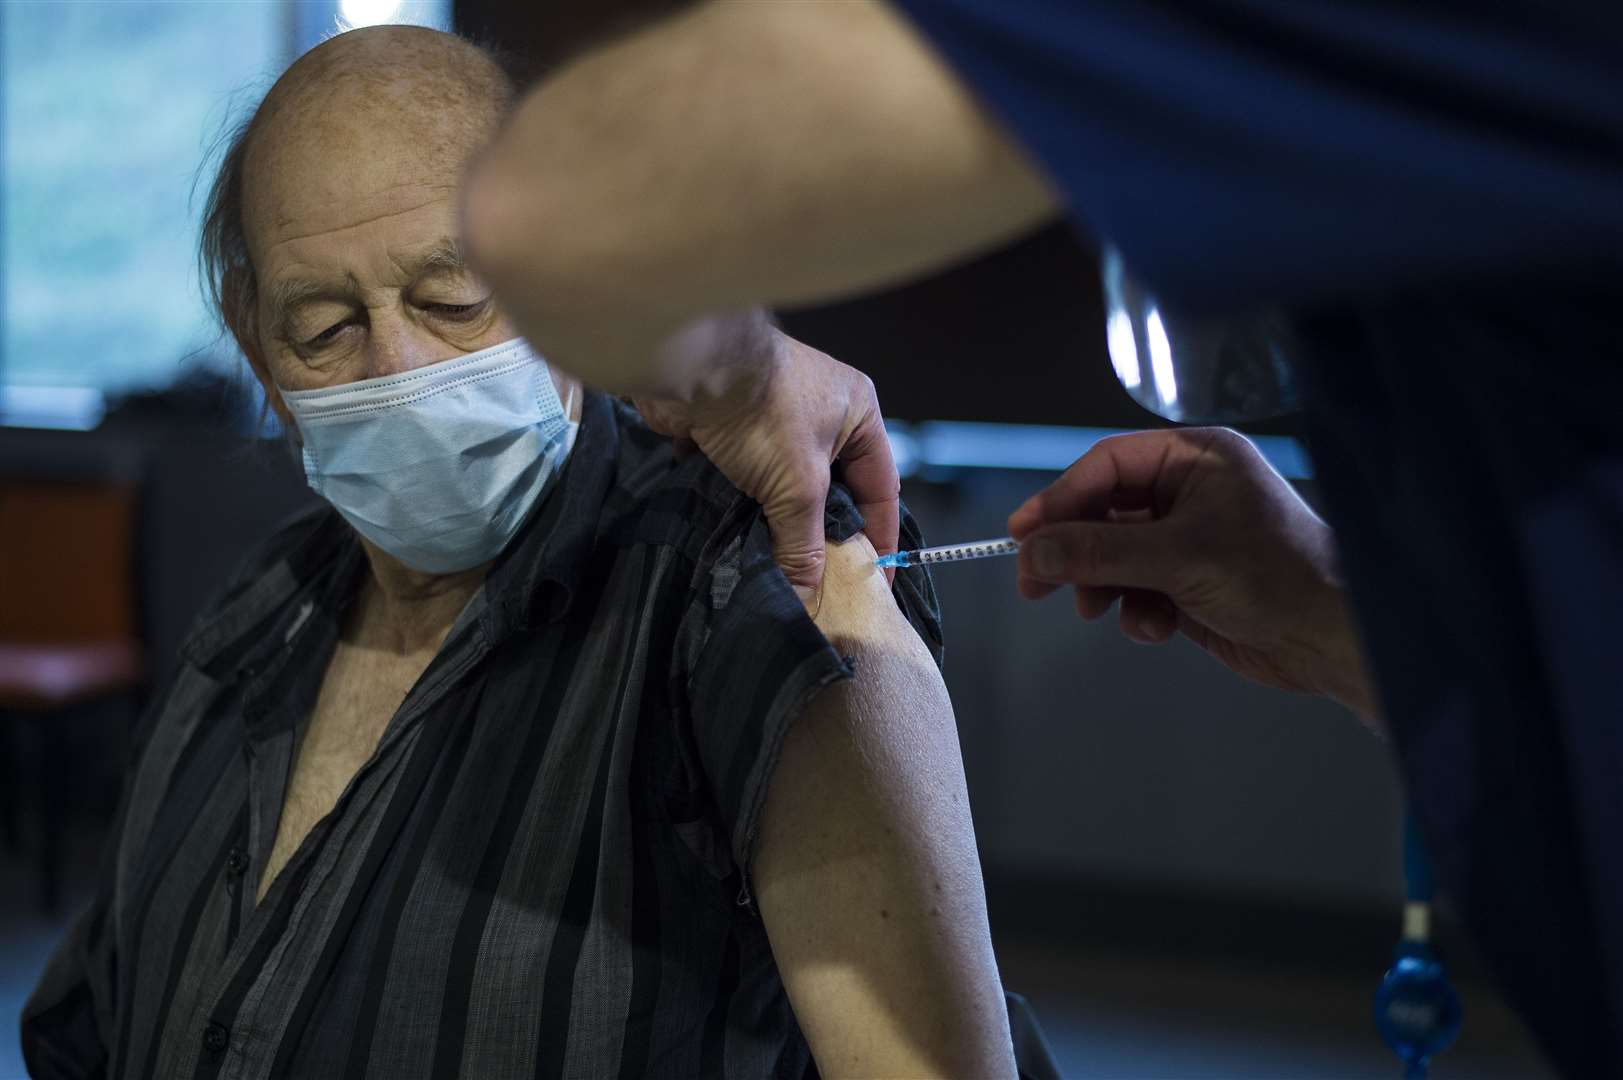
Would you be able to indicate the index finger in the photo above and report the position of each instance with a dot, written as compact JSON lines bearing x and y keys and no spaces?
{"x":1117,"y":470}
{"x":869,"y":469}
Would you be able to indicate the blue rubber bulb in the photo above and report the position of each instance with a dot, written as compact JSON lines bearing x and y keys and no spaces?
{"x":1416,"y":1011}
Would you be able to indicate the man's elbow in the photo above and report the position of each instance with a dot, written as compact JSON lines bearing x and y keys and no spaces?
{"x":535,"y":235}
{"x":516,"y":235}
{"x":496,"y":218}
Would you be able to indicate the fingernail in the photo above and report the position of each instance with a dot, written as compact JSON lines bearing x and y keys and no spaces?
{"x":1047,"y":558}
{"x":1155,"y":625}
{"x":808,"y":597}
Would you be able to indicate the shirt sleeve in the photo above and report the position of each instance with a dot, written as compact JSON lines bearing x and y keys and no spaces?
{"x":67,"y":1026}
{"x":1241,"y":152}
{"x":64,"y":1034}
{"x":67,"y":1022}
{"x":752,"y":658}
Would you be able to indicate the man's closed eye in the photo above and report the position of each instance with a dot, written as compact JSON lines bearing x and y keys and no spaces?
{"x":458,"y":312}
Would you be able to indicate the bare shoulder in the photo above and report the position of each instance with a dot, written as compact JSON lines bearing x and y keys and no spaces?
{"x":866,"y":870}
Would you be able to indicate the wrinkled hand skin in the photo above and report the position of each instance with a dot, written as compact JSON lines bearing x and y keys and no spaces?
{"x":1193,"y":532}
{"x":777,"y":427}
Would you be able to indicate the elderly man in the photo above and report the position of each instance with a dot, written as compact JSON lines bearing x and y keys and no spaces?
{"x":522,"y":759}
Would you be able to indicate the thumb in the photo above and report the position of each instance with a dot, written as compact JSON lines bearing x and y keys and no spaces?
{"x":796,"y":523}
{"x":1132,"y":555}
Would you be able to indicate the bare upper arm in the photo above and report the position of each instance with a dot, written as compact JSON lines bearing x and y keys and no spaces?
{"x":866,"y":869}
{"x":737,"y":154}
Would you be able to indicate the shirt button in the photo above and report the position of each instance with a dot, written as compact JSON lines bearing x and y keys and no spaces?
{"x":216,"y":1038}
{"x":236,"y":862}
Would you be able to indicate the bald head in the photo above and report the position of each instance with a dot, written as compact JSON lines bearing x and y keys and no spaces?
{"x":370,"y":124}
{"x":385,"y":59}
{"x":366,"y":112}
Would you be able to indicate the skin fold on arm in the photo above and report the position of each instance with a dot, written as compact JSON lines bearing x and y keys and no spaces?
{"x":866,"y":870}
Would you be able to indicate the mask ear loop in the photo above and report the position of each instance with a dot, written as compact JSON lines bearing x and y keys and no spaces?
{"x":567,"y":403}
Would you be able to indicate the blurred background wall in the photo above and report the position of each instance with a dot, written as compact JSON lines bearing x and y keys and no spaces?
{"x":1192,"y":875}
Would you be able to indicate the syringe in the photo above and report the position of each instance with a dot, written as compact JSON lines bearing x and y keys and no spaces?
{"x":979,"y":549}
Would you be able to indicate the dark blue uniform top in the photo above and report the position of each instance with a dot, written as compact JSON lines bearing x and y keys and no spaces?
{"x":1436,"y":188}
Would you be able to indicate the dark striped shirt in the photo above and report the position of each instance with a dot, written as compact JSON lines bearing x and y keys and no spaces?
{"x":542,"y":869}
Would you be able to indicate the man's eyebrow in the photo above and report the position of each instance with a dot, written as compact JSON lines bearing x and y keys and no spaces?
{"x":289,"y":293}
{"x":445,"y":256}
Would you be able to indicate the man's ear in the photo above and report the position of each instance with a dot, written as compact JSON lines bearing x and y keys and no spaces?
{"x":273,"y":395}
{"x":240,"y":303}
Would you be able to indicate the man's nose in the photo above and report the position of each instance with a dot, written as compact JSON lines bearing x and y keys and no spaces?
{"x":395,"y":346}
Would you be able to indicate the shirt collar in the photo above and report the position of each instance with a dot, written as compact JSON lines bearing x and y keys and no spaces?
{"x":271,"y":602}
{"x":538,"y":575}
{"x":533,"y":581}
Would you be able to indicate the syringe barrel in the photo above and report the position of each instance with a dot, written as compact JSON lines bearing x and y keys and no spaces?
{"x":978,"y":550}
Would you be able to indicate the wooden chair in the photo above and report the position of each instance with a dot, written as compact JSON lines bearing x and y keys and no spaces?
{"x":69,"y":633}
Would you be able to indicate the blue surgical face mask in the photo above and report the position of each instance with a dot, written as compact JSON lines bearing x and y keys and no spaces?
{"x":439,"y":466}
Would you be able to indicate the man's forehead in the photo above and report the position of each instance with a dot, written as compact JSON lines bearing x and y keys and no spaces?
{"x":345,"y":176}
{"x":411,"y":212}
{"x":403,"y":255}
{"x":300,"y":272}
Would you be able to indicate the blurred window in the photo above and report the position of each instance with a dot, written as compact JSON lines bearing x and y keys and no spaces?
{"x":111,"y":108}
{"x":109,"y":111}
